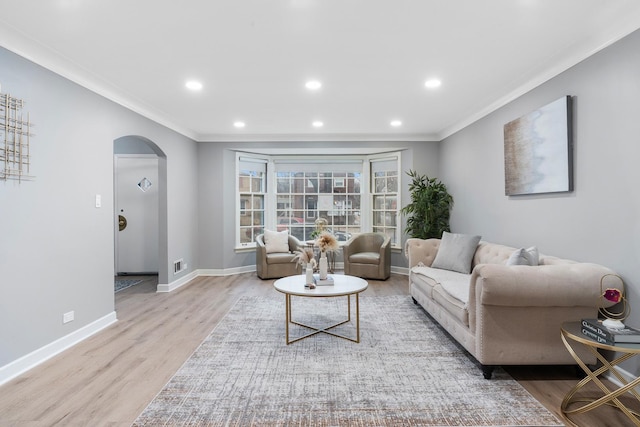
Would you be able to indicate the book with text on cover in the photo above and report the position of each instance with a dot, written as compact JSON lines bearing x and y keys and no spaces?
{"x":595,"y":327}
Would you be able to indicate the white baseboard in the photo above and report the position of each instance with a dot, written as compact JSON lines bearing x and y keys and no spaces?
{"x":628,"y":377}
{"x":400,"y":270}
{"x":227,"y":271}
{"x":31,"y":360}
{"x":177,"y":283}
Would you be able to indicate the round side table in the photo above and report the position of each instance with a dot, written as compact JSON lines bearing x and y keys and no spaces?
{"x":571,"y":334}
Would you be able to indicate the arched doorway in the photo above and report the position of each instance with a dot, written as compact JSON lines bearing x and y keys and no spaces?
{"x":148,"y":188}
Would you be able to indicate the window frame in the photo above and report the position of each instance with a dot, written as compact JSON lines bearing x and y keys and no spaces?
{"x":396,"y":158}
{"x":271,"y":200}
{"x":241,"y":212}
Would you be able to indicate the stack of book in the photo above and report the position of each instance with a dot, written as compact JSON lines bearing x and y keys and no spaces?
{"x":322,"y":282}
{"x":594,"y":329}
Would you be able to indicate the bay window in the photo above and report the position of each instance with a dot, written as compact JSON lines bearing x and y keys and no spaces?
{"x":352,"y":194}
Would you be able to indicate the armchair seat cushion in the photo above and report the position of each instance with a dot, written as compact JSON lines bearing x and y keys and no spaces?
{"x":280,"y":258}
{"x":365,"y":258}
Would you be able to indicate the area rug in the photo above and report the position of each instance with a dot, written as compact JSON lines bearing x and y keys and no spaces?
{"x":405,"y":372}
{"x":121,"y":284}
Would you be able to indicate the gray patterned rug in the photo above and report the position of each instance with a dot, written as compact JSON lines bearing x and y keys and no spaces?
{"x":121,"y":284}
{"x":404,"y":372}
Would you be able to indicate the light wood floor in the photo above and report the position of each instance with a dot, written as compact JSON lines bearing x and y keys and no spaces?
{"x":108,"y":379}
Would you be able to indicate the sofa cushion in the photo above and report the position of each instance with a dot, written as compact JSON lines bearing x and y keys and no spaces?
{"x":456,"y":252}
{"x":276,"y":241}
{"x":452,"y":305}
{"x":524,"y":256}
{"x":454,"y":283}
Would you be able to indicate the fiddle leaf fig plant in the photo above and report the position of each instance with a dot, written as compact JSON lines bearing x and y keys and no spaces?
{"x":430,"y":208}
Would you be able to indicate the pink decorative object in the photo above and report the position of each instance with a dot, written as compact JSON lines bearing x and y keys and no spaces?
{"x":613,"y":304}
{"x":613,"y":295}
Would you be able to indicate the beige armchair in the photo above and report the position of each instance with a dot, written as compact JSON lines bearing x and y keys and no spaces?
{"x":276,"y":264}
{"x":368,"y":255}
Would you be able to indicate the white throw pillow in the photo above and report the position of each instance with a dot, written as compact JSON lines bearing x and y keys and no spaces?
{"x":276,"y":241}
{"x":522,"y":256}
{"x":456,"y":252}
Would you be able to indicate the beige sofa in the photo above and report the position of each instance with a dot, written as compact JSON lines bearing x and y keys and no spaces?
{"x":506,"y":314}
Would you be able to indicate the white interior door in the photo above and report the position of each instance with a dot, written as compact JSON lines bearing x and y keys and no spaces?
{"x":136,"y":206}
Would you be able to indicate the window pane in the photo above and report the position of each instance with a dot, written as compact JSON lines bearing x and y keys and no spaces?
{"x":299,"y":185}
{"x":392,"y":184}
{"x":245,"y":235}
{"x":244,"y":183}
{"x":257,"y":184}
{"x":258,"y":218}
{"x":311,"y":185}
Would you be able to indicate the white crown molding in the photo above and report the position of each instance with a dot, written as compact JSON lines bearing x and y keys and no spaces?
{"x":22,"y":45}
{"x":337,"y":137}
{"x":623,"y":29}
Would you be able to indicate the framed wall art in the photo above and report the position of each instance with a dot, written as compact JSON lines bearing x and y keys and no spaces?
{"x":538,"y":154}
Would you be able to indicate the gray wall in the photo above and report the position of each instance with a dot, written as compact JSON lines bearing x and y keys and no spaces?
{"x":57,"y":248}
{"x":216,"y":160}
{"x":599,"y":221}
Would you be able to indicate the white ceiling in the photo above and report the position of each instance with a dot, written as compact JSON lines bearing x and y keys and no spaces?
{"x":254,"y":56}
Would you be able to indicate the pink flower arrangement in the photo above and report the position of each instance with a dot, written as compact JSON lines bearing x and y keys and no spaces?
{"x":613,"y":295}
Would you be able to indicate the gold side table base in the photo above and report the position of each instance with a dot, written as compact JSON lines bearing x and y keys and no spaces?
{"x":324,"y":330}
{"x":610,"y":397}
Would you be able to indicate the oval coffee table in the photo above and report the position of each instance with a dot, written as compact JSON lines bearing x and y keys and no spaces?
{"x":343,"y":286}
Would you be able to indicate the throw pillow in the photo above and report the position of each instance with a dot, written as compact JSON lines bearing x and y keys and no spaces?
{"x":276,"y":241}
{"x":456,"y":252}
{"x":522,"y":256}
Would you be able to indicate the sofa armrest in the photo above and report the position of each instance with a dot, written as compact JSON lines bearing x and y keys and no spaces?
{"x":421,"y":250}
{"x":563,"y":285}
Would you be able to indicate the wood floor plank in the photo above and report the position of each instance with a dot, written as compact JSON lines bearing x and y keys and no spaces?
{"x":108,"y":379}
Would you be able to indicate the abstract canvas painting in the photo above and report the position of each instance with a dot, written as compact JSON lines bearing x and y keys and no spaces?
{"x":538,"y":151}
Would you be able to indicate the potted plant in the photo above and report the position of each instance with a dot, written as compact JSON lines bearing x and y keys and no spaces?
{"x":430,"y":208}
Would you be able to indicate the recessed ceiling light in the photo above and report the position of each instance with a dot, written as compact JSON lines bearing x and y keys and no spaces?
{"x":396,"y":123}
{"x":313,"y":85}
{"x":193,"y":85}
{"x":239,"y":124}
{"x":317,"y":124}
{"x":432,"y":83}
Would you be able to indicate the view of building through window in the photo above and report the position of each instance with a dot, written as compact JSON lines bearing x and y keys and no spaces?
{"x":349,"y":196}
{"x":304,"y":197}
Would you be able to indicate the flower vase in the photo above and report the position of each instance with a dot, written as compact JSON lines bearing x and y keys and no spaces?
{"x":324,"y":266}
{"x":309,"y":274}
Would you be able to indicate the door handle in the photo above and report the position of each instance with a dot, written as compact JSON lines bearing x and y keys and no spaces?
{"x":122,"y":222}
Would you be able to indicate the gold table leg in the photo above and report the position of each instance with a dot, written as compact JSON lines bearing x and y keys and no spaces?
{"x":325,"y":330}
{"x":610,"y":397}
